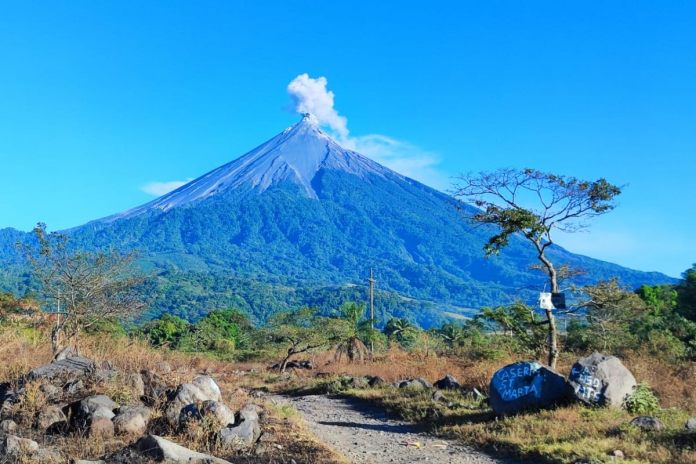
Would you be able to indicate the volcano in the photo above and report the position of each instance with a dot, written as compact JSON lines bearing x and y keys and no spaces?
{"x":301,"y":220}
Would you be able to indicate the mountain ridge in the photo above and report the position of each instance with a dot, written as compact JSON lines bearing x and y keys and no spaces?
{"x":302,"y":209}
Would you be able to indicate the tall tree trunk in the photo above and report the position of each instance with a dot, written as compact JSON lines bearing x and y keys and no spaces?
{"x":55,"y":339}
{"x":550,"y":317}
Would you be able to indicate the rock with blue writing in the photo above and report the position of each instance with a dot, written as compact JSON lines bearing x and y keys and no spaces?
{"x":527,"y":385}
{"x":601,"y":379}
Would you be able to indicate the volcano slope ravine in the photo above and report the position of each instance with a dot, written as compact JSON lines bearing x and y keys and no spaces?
{"x":365,"y":435}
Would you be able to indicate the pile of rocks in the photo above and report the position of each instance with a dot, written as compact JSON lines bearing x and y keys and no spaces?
{"x":70,"y":386}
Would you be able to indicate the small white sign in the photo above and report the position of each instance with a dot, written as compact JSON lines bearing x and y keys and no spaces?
{"x":545,"y":301}
{"x":552,"y":300}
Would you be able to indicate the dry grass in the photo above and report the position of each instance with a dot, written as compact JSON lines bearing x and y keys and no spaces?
{"x":283,"y":437}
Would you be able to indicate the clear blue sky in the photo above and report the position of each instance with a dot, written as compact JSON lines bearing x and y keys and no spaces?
{"x":98,"y":99}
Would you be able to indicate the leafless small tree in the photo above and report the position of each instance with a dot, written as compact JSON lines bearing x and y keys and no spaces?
{"x":88,"y":287}
{"x":533,"y":205}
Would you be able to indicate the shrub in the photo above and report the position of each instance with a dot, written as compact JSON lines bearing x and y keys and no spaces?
{"x":642,"y":401}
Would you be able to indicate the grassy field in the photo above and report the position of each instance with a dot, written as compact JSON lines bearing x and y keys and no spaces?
{"x":568,"y":434}
{"x":564,"y":435}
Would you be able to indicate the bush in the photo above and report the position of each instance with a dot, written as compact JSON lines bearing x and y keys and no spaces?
{"x":642,"y":401}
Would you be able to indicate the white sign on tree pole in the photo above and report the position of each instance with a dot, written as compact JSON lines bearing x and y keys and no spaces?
{"x":548,"y":300}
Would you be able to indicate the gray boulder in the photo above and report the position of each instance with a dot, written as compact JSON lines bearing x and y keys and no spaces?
{"x":690,"y":424}
{"x":208,"y":386}
{"x":135,"y":381}
{"x":415,"y":384}
{"x":20,"y":449}
{"x":51,"y":419}
{"x":162,"y":450}
{"x":448,"y":382}
{"x":131,"y":420}
{"x":98,"y":405}
{"x":8,"y":426}
{"x":185,"y":395}
{"x":154,"y":387}
{"x":63,"y":371}
{"x":218,"y":412}
{"x":600,"y":379}
{"x":526,"y":385}
{"x":245,"y":433}
{"x":46,"y":456}
{"x":100,"y":426}
{"x":375,"y":381}
{"x":51,"y":392}
{"x":647,"y":423}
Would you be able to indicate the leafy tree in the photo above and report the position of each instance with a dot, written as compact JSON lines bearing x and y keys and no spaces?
{"x":453,"y":334}
{"x":686,"y":291}
{"x":220,"y":330}
{"x":167,"y":331}
{"x":533,"y":205}
{"x":301,"y":331}
{"x":401,"y":330}
{"x":357,"y":332}
{"x":663,"y":328}
{"x":89,"y":287}
{"x":519,"y":321}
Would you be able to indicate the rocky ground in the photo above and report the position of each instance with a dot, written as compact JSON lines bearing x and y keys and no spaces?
{"x":364,"y":434}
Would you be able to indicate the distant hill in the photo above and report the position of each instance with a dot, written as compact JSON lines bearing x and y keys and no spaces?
{"x":299,"y":220}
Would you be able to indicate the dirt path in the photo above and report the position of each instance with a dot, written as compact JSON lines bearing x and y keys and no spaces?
{"x":365,"y":435}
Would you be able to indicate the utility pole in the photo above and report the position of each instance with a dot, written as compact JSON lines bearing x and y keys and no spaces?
{"x":371,"y":280}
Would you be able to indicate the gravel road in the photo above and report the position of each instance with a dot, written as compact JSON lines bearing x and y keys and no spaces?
{"x":365,"y":435}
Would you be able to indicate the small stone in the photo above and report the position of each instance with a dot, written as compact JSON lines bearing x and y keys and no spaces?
{"x":155,"y":388}
{"x":415,"y":384}
{"x":98,"y":404}
{"x":51,"y":392}
{"x":51,"y":419}
{"x":131,"y":420}
{"x":647,"y":423}
{"x":439,"y":396}
{"x":8,"y":426}
{"x":618,"y":454}
{"x":135,"y":381}
{"x":19,"y":448}
{"x":245,"y":433}
{"x":448,"y":382}
{"x":220,"y":412}
{"x":691,"y":424}
{"x":100,"y":427}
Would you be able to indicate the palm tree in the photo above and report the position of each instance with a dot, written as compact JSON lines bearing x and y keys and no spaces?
{"x":357,"y":331}
{"x":401,"y":329}
{"x":452,"y":333}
